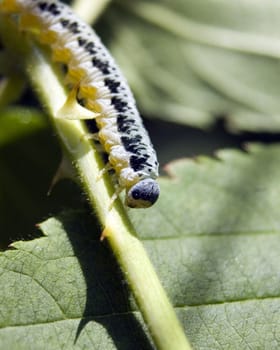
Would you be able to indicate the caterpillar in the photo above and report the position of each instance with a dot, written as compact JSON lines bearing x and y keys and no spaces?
{"x":100,"y":86}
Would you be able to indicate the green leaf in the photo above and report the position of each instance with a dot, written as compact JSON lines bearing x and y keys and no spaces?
{"x":192,"y":62}
{"x":213,"y":238}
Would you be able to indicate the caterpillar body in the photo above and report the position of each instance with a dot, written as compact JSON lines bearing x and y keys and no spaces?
{"x":101,"y":88}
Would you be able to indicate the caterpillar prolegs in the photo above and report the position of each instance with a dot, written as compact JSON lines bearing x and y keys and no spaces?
{"x":102,"y":89}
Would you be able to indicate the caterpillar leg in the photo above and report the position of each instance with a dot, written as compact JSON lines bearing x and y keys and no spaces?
{"x":106,"y":168}
{"x":94,"y":136}
{"x":91,"y":136}
{"x":72,"y":110}
{"x":115,"y":195}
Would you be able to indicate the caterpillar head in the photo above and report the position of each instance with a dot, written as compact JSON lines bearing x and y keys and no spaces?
{"x":143,"y":194}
